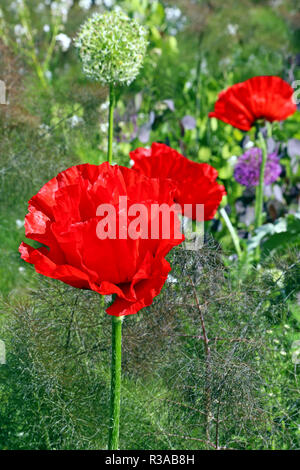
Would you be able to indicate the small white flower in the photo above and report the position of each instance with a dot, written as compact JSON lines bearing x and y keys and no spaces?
{"x":249,"y":144}
{"x":283,"y":353}
{"x":108,"y":3}
{"x":44,"y":127}
{"x":19,"y":30}
{"x":232,"y":29}
{"x":172,"y":13}
{"x":131,"y":163}
{"x":20,"y":223}
{"x":104,"y":127}
{"x":54,"y":8}
{"x":48,"y":74}
{"x":75,"y":120}
{"x":104,"y":106}
{"x":61,"y":9}
{"x":21,"y":269}
{"x":17,"y":4}
{"x":46,"y":28}
{"x":64,"y":41}
{"x":85,"y":4}
{"x":171,"y":279}
{"x":232,"y":160}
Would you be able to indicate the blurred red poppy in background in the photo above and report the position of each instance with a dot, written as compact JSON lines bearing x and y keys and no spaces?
{"x":62,"y":216}
{"x":195,"y":182}
{"x":267,"y":97}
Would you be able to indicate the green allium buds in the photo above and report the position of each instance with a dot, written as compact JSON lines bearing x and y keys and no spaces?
{"x":112,"y":47}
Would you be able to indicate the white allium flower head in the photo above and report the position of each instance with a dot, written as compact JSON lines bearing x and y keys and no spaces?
{"x":112,"y":47}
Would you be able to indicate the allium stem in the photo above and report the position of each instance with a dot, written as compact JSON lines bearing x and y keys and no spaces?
{"x":260,"y":188}
{"x":115,"y":392}
{"x":110,"y":122}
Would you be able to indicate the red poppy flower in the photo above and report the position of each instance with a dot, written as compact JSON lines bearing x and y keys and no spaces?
{"x":267,"y":97}
{"x":195,"y":182}
{"x":63,"y":216}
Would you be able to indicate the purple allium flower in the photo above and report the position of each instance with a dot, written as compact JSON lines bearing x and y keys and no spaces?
{"x":247,"y":169}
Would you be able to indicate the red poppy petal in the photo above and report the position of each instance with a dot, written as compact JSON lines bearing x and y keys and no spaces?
{"x":263,"y":97}
{"x":195,"y":182}
{"x":145,"y":290}
{"x":44,"y":265}
{"x":63,"y":216}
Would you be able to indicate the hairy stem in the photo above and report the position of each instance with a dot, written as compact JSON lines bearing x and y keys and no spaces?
{"x":115,"y":393}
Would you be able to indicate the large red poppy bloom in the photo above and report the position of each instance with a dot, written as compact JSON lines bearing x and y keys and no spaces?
{"x":195,"y":182}
{"x":267,"y":97}
{"x":62,"y":216}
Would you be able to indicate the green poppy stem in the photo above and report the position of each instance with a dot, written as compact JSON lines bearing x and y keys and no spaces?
{"x":116,"y":344}
{"x":115,"y":392}
{"x":260,"y":188}
{"x":112,"y":100}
